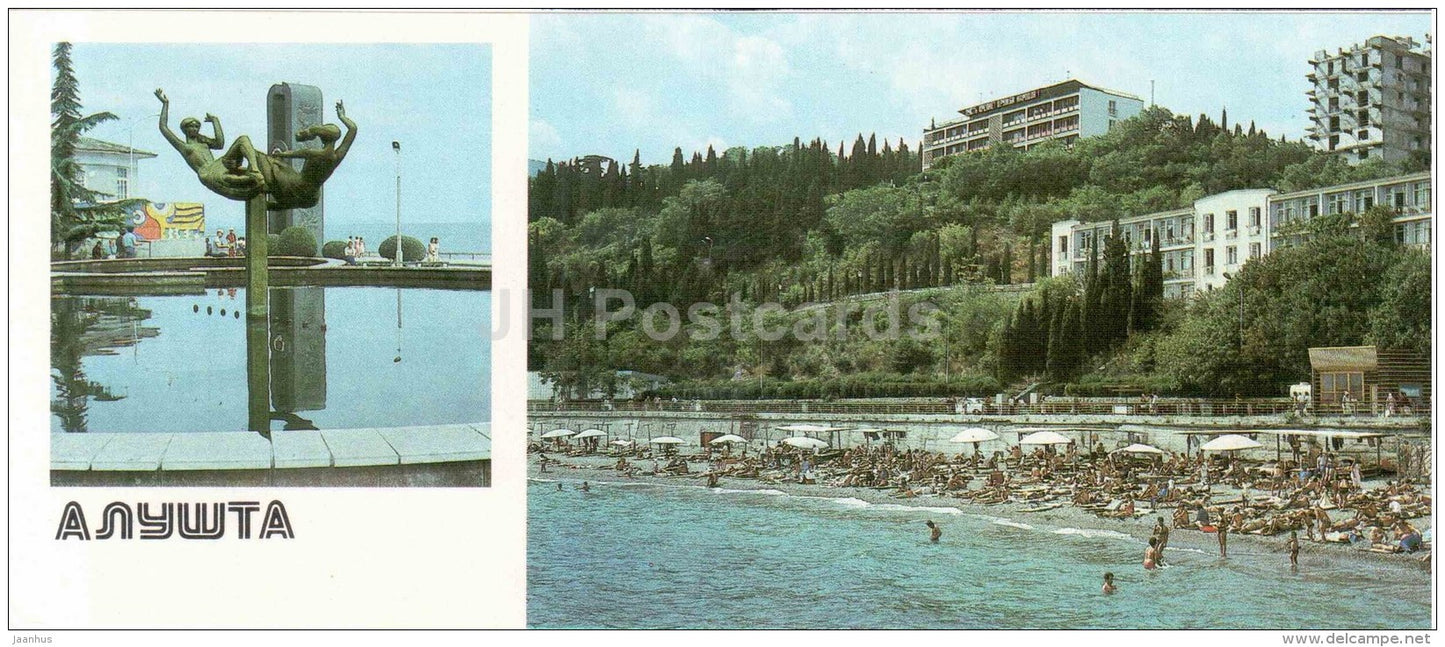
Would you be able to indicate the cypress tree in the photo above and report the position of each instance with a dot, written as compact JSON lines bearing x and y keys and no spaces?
{"x":1092,"y":316}
{"x":1056,"y":364}
{"x":1115,"y":299}
{"x":1072,"y":354}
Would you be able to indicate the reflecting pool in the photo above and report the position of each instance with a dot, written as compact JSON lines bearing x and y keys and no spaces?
{"x":324,"y":358}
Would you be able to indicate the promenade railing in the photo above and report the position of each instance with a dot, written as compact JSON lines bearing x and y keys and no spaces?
{"x":1054,"y":406}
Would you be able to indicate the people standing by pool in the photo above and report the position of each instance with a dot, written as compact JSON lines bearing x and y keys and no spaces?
{"x":216,"y":246}
{"x":1109,"y":587}
{"x":934,"y":532}
{"x":360,"y":247}
{"x":128,"y":242}
{"x":433,"y":251}
{"x":231,"y":242}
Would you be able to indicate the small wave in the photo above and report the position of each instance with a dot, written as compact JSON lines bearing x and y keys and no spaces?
{"x":1012,"y":524}
{"x":541,"y":480}
{"x":917,"y":508}
{"x":1093,"y":533}
{"x":1187,"y":550}
{"x":723,"y":490}
{"x":851,"y":501}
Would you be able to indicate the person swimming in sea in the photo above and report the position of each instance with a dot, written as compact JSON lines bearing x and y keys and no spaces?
{"x":1109,"y":587}
{"x":1151,"y":554}
{"x":586,"y":487}
{"x":934,"y":532}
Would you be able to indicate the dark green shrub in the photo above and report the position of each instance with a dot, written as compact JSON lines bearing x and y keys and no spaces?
{"x":412,"y":249}
{"x":295,"y":241}
{"x":272,"y":242}
{"x":334,"y":249}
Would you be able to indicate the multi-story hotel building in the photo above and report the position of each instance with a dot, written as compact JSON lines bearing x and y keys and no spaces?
{"x":1063,"y":111}
{"x":1206,"y":243}
{"x":1407,"y":195}
{"x":1371,"y":101}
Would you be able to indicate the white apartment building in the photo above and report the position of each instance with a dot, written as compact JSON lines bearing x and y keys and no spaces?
{"x":1372,"y":100}
{"x":109,"y":169}
{"x":1408,"y":195}
{"x":1063,"y":111}
{"x":1205,"y":244}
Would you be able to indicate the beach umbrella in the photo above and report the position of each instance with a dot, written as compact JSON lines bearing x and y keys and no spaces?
{"x":622,"y":443}
{"x":590,"y":433}
{"x":802,"y":442}
{"x":1045,"y":438}
{"x":974,"y":435}
{"x":1229,"y":443}
{"x":1137,"y":448}
{"x":727,"y":439}
{"x":667,"y":440}
{"x":558,"y":433}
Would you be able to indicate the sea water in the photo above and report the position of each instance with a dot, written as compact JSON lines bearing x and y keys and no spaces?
{"x":643,"y":555}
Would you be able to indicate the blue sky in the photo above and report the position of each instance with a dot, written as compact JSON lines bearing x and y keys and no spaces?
{"x":434,"y":98}
{"x":607,"y":84}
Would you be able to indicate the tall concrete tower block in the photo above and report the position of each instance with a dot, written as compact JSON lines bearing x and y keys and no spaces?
{"x":291,"y":107}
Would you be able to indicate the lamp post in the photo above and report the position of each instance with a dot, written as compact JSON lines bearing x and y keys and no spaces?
{"x":398,"y":257}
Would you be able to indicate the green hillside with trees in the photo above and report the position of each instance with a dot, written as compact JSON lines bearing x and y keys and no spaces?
{"x":808,"y":224}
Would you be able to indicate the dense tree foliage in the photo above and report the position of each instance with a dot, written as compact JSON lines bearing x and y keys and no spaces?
{"x":806,"y":223}
{"x":76,"y":213}
{"x":1339,"y":288}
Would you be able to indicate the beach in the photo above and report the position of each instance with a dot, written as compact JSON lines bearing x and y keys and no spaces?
{"x":622,"y":522}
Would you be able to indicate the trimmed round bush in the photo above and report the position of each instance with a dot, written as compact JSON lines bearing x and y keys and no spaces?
{"x":334,"y":249}
{"x":272,"y":242}
{"x":411,"y":248}
{"x":295,"y":241}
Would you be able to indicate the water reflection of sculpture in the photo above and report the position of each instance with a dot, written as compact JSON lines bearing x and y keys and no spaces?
{"x":297,"y":325}
{"x":82,"y":327}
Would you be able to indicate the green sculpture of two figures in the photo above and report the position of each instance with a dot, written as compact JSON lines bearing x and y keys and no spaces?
{"x":264,"y":181}
{"x":243,"y":173}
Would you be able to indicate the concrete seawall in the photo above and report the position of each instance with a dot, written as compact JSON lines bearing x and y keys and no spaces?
{"x":933,"y":431}
{"x":148,"y":276}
